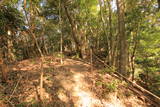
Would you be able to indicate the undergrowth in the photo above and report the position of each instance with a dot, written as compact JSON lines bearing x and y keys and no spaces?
{"x":108,"y":86}
{"x":108,"y":70}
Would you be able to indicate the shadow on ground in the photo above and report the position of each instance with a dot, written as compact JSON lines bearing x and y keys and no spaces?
{"x":69,"y":85}
{"x":22,"y":90}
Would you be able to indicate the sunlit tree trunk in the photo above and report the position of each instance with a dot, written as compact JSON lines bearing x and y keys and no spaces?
{"x":112,"y":43}
{"x":60,"y":28}
{"x":122,"y":65}
{"x":11,"y":56}
{"x":104,"y":29}
{"x":3,"y":68}
{"x":30,"y":31}
{"x":134,"y":48}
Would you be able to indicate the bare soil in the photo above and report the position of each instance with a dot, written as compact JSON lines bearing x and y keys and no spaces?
{"x":71,"y":84}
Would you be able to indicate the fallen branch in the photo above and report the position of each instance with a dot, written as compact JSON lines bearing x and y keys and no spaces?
{"x":15,"y":88}
{"x":7,"y":100}
{"x":157,"y":102}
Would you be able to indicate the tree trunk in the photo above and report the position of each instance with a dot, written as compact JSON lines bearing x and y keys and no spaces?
{"x":3,"y":68}
{"x":74,"y":33}
{"x":135,"y":44}
{"x":106,"y":34}
{"x":60,"y":27}
{"x":112,"y":49}
{"x":122,"y":66}
{"x":30,"y":31}
{"x":158,"y":4}
{"x":11,"y":56}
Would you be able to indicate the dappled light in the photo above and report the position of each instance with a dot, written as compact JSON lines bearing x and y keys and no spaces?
{"x":79,"y":53}
{"x":69,"y":85}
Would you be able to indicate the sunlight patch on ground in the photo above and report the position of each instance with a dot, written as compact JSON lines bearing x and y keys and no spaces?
{"x":69,"y":84}
{"x":85,"y":98}
{"x":113,"y":101}
{"x":33,"y":96}
{"x":62,"y":96}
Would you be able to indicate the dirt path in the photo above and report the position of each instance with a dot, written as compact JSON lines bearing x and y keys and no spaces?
{"x":69,"y":85}
{"x":80,"y":88}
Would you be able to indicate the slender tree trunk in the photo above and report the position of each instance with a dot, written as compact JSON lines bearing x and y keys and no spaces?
{"x":44,"y":45}
{"x":27,"y":47}
{"x":30,"y":31}
{"x":41,"y":64}
{"x":91,"y":59}
{"x":122,"y":66}
{"x":60,"y":27}
{"x":106,"y":34}
{"x":112,"y":45}
{"x":135,"y":41}
{"x":11,"y":56}
{"x":158,"y":4}
{"x":132,"y":61}
{"x":3,"y":68}
{"x":74,"y":32}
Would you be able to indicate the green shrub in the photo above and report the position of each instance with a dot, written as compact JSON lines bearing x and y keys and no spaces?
{"x":112,"y":86}
{"x":108,"y":70}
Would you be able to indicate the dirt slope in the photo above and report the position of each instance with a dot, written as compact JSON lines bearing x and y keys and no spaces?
{"x":69,"y":85}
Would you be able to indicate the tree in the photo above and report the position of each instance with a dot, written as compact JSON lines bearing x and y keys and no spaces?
{"x":122,"y":65}
{"x":158,"y":3}
{"x":74,"y":32}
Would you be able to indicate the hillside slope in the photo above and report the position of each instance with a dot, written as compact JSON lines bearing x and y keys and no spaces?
{"x":69,"y":85}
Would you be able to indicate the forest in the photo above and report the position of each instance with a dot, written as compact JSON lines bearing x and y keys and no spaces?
{"x":79,"y":53}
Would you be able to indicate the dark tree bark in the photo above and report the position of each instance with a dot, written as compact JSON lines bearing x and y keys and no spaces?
{"x":74,"y":33}
{"x":3,"y":68}
{"x":158,"y":4}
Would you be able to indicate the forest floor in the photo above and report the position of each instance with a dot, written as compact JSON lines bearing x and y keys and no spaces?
{"x":72,"y":84}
